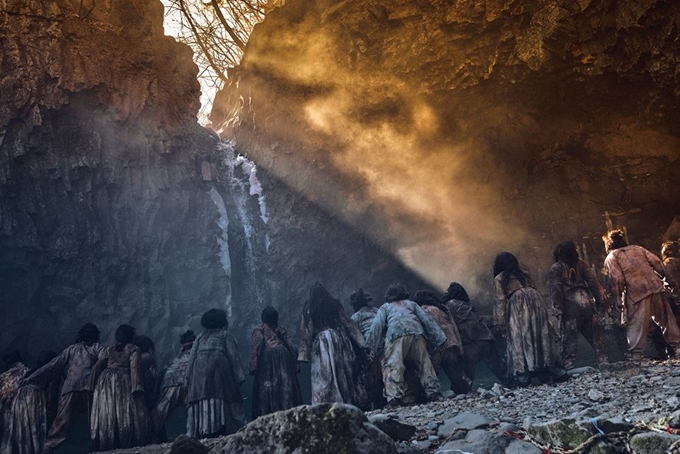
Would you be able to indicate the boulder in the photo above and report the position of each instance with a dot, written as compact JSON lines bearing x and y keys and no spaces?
{"x":464,"y":421}
{"x":566,"y":432}
{"x":522,"y":447}
{"x":309,"y":429}
{"x":478,"y":442}
{"x":652,"y":442}
{"x":186,"y":445}
{"x":396,"y":429}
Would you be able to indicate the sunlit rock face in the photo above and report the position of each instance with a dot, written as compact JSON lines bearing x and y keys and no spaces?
{"x":104,"y":215}
{"x":448,"y":131}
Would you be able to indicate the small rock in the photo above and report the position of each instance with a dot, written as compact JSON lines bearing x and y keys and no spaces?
{"x":186,"y":445}
{"x":652,"y":442}
{"x":396,"y":429}
{"x":477,"y":442}
{"x":581,"y":370}
{"x":466,"y":421}
{"x":595,"y":395}
{"x":522,"y":447}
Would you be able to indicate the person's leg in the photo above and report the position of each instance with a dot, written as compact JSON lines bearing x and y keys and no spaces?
{"x":393,"y":370}
{"x":428,"y":377}
{"x":638,"y":316}
{"x":569,"y":341}
{"x":592,"y":331}
{"x":70,"y":406}
{"x":451,"y":363}
{"x":662,"y":315}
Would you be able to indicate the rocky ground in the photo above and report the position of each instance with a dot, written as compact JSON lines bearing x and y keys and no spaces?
{"x":623,"y":408}
{"x":637,"y":402}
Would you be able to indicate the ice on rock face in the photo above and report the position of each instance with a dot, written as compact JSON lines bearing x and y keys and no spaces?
{"x":223,"y":240}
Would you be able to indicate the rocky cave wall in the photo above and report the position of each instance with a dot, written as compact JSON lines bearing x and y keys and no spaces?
{"x":117,"y":207}
{"x":449,"y":130}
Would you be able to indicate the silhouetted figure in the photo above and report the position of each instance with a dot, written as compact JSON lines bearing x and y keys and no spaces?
{"x":371,"y":372}
{"x":521,"y":310}
{"x":636,"y":279}
{"x":119,"y":418}
{"x":670,"y":254}
{"x":9,"y":386}
{"x":173,"y":386}
{"x":214,"y":379}
{"x":576,"y":294}
{"x":450,"y":356}
{"x":479,"y":343}
{"x":273,"y":363}
{"x":327,"y":336}
{"x":148,"y":369}
{"x":75,"y":364}
{"x":25,"y":430}
{"x":404,"y":328}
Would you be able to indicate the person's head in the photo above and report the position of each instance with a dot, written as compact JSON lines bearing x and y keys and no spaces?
{"x":616,"y":239}
{"x":187,"y":337}
{"x":12,"y":357}
{"x":566,"y":252}
{"x":396,"y":292}
{"x":214,"y":319}
{"x":508,"y":264}
{"x":359,"y":299}
{"x":44,"y":357}
{"x":88,"y":334}
{"x":145,"y":343}
{"x":670,"y":249}
{"x":125,"y":334}
{"x":270,"y":316}
{"x":426,"y":298}
{"x":455,"y":292}
{"x":324,"y":310}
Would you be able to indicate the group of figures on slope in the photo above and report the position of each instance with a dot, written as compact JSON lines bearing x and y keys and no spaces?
{"x":387,"y":355}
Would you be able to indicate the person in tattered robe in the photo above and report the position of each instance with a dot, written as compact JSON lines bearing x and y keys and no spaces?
{"x":173,"y":386}
{"x":371,"y":371}
{"x":521,"y":310}
{"x":450,"y":356}
{"x":9,"y":386}
{"x":25,"y":430}
{"x":328,"y":338}
{"x":576,"y":296}
{"x":635,"y":278}
{"x":273,"y":363}
{"x":119,"y":418}
{"x":214,"y":378}
{"x":148,"y":369}
{"x":670,"y":254}
{"x":404,"y":329}
{"x":75,"y":365}
{"x":479,"y":343}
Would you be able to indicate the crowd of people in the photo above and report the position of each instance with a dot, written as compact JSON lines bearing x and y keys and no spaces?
{"x":382,"y":355}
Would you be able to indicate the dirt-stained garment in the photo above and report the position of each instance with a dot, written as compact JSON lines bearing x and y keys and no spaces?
{"x":572,"y":290}
{"x":450,"y":356}
{"x":75,"y":365}
{"x":9,"y":386}
{"x":634,"y":279}
{"x":671,"y":269}
{"x":404,"y":328}
{"x":273,"y":364}
{"x":148,"y":369}
{"x":336,"y":370}
{"x":26,"y":429}
{"x":119,"y":417}
{"x":371,"y":371}
{"x":214,"y":378}
{"x":173,"y":391}
{"x":479,"y":344}
{"x":522,"y":311}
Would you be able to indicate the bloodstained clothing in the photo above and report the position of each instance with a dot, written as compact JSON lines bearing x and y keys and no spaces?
{"x":75,"y":365}
{"x":450,"y":356}
{"x":479,"y":344}
{"x":371,"y":371}
{"x":522,"y":311}
{"x":572,"y":290}
{"x":635,"y":278}
{"x":26,"y":429}
{"x":9,"y":386}
{"x":273,"y":363}
{"x":119,"y":417}
{"x":173,"y":390}
{"x":214,"y":379}
{"x":336,"y":371}
{"x":404,"y":328}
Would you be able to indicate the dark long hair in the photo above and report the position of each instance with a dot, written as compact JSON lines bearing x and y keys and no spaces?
{"x":324,"y":310}
{"x":270,"y":316}
{"x":455,"y":292}
{"x":428,"y":298}
{"x":214,"y":319}
{"x":125,"y":334}
{"x":616,"y":239}
{"x":566,"y":252}
{"x":88,"y":334}
{"x":507,"y":264}
{"x":396,"y":292}
{"x":145,"y":344}
{"x":359,"y":299}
